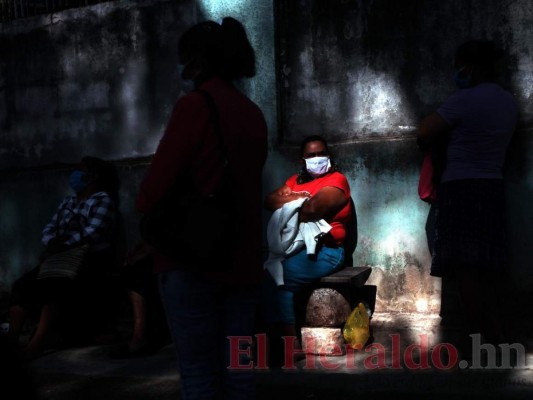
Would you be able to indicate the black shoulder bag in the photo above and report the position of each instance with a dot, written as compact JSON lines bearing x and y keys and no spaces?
{"x":195,"y":230}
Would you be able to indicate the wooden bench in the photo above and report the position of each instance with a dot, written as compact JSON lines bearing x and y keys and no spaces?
{"x":350,"y":282}
{"x":350,"y":276}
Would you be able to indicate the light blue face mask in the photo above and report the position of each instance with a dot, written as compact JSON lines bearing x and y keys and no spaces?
{"x":78,"y":181}
{"x":317,"y":166}
{"x":462,"y":83}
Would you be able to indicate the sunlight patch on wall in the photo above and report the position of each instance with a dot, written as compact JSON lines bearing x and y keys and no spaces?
{"x":217,"y":9}
{"x":522,"y":47}
{"x":391,"y":226}
{"x":258,"y":20}
{"x":378,"y":103}
{"x":422,"y":305}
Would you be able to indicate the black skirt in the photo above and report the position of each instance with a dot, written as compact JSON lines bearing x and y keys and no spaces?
{"x":470,"y":227}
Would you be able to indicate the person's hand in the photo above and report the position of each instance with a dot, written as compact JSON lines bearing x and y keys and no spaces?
{"x":57,"y":244}
{"x":138,"y":253}
{"x":301,"y":194}
{"x":283,"y":195}
{"x":284,"y":191}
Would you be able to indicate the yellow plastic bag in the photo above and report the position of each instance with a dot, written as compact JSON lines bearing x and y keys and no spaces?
{"x":357,"y":327}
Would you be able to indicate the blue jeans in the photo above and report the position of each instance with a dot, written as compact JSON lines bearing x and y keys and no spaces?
{"x":202,"y":315}
{"x":298,"y":271}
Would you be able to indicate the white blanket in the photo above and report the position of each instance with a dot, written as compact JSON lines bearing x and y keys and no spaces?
{"x":285,"y":236}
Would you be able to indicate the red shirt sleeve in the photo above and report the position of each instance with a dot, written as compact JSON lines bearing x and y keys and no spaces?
{"x":338,"y":221}
{"x":339,"y":181}
{"x":335,"y":179}
{"x":291,"y":182}
{"x":176,"y":150}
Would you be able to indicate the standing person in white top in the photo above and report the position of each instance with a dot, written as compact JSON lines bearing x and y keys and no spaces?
{"x":477,"y":122}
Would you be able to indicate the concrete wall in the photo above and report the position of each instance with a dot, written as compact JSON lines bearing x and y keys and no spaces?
{"x":363,"y":74}
{"x":102,"y":80}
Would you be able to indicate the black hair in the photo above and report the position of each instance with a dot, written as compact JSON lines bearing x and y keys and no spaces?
{"x":483,"y":55}
{"x":312,"y":138}
{"x":221,"y":49}
{"x":303,"y":175}
{"x":105,"y":176}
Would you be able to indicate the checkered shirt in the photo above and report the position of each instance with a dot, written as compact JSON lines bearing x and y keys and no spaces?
{"x":88,"y":221}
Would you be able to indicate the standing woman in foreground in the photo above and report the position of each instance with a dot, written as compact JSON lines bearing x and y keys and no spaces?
{"x":479,"y":120}
{"x":204,"y":308}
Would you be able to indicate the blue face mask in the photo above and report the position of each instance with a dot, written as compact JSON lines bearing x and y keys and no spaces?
{"x":462,"y":83}
{"x":78,"y":181}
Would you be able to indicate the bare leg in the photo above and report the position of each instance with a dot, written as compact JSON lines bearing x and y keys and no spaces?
{"x":46,"y":320}
{"x":17,"y":317}
{"x":138,"y":338}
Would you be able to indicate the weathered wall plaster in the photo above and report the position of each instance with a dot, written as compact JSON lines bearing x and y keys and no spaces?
{"x":102,"y":80}
{"x":363,"y":74}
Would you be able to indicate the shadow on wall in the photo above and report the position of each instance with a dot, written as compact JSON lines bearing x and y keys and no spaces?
{"x":363,"y":74}
{"x":519,"y":195}
{"x":100,"y":80}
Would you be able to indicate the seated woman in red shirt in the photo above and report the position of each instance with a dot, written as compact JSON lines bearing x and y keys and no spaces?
{"x":329,"y":199}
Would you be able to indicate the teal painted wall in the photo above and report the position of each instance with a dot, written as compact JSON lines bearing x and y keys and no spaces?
{"x":102,"y":80}
{"x":363,"y":74}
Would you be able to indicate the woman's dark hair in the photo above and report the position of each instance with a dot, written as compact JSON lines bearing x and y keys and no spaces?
{"x":221,"y":49}
{"x":483,"y":56}
{"x":303,"y":175}
{"x":105,"y":176}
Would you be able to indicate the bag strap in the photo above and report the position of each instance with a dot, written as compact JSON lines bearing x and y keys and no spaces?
{"x":77,"y":217}
{"x":176,"y":187}
{"x":213,"y":115}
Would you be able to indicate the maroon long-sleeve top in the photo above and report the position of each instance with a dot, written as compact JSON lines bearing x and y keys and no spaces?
{"x":190,"y":146}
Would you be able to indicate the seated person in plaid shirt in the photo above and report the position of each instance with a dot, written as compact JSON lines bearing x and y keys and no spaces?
{"x":90,"y":217}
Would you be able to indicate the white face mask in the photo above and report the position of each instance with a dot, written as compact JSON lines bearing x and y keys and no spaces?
{"x":317,"y":166}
